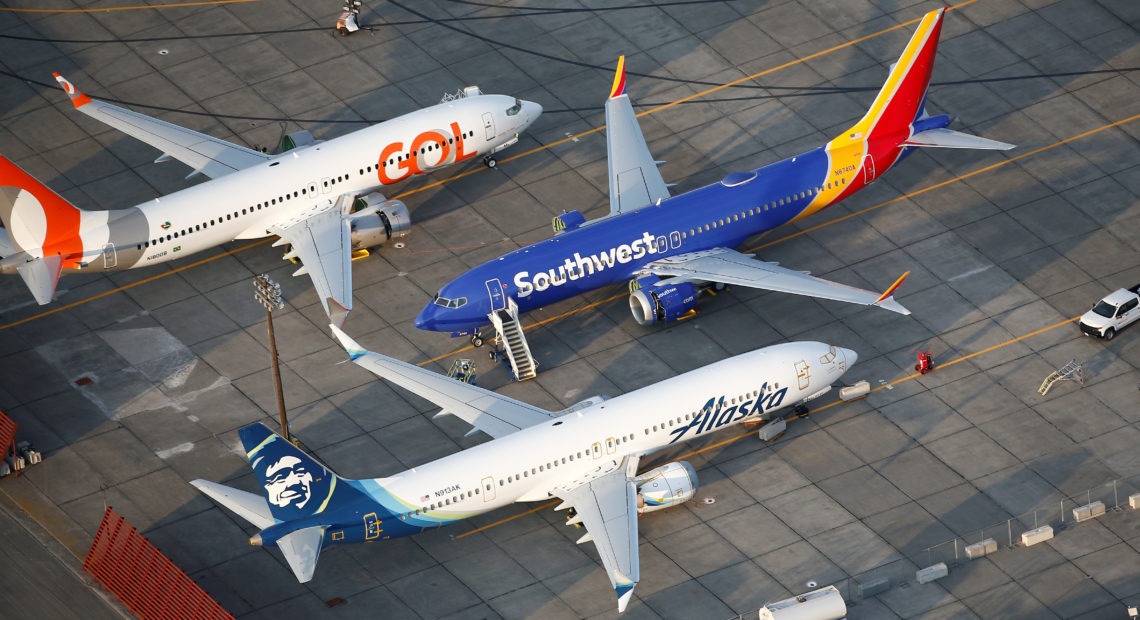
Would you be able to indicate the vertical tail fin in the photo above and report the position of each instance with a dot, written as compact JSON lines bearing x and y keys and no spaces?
{"x":903,"y":96}
{"x":296,"y":492}
{"x":43,"y":231}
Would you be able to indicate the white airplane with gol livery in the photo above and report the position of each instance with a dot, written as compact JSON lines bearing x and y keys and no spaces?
{"x":587,"y":456}
{"x":321,"y":198}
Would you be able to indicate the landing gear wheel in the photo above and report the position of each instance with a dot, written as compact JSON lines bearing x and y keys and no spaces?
{"x":476,"y":341}
{"x":490,"y":161}
{"x":1110,"y":333}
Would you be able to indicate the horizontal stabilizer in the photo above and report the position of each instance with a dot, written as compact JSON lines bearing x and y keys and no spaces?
{"x":950,"y":139}
{"x":41,"y":275}
{"x":251,"y":507}
{"x":301,"y":550}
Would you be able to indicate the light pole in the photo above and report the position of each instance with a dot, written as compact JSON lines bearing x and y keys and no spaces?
{"x":268,"y":294}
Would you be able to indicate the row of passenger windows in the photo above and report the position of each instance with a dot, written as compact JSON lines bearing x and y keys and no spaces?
{"x":304,"y":191}
{"x":594,"y":449}
{"x":431,"y":146}
{"x":736,"y":217}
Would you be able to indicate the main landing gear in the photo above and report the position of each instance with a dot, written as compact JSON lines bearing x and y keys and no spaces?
{"x":489,"y":161}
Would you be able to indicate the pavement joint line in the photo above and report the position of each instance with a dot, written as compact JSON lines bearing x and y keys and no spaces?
{"x":483,"y":528}
{"x":134,"y":284}
{"x":736,"y":438}
{"x":941,"y":184}
{"x":698,"y":95}
{"x":461,"y":175}
{"x":177,"y":5}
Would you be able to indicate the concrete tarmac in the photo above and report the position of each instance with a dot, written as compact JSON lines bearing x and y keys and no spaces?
{"x":134,"y":383}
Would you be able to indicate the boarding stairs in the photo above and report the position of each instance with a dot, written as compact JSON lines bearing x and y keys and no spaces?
{"x":1068,"y":372}
{"x":515,"y":347}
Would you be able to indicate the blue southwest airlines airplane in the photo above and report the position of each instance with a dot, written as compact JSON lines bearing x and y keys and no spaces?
{"x":671,"y":248}
{"x":321,"y":198}
{"x":587,"y":456}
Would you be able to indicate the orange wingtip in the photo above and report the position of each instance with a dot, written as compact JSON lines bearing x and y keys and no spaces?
{"x":618,"y":88}
{"x":77,"y":98}
{"x":891,"y":291}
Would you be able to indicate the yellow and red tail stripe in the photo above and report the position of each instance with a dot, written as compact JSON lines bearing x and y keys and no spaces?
{"x":618,"y":88}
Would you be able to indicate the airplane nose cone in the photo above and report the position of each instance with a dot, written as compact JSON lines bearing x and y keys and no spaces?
{"x":533,"y":110}
{"x":849,"y":356}
{"x":425,"y":319}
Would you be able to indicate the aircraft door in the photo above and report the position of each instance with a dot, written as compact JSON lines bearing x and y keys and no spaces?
{"x":312,"y":188}
{"x":495,"y":292}
{"x":373,"y":526}
{"x":674,"y":240}
{"x":596,"y":450}
{"x":803,"y":374}
{"x":326,"y":184}
{"x":488,"y":489}
{"x":489,"y":125}
{"x":611,"y":445}
{"x":109,"y":257}
{"x":868,"y":170}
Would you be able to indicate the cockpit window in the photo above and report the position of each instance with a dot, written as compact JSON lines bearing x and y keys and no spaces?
{"x":511,"y":111}
{"x":450,"y":303}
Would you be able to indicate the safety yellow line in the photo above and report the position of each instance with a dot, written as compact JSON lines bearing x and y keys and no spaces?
{"x":133,"y":284}
{"x":963,"y":177}
{"x":510,"y":518}
{"x":736,"y":438}
{"x":128,"y":8}
{"x":703,"y":93}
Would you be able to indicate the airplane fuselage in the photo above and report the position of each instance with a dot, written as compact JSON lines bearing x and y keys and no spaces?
{"x":243,"y":204}
{"x":615,"y":249}
{"x":528,"y":464}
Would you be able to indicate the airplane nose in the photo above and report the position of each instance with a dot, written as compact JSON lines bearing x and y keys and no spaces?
{"x":849,"y":356}
{"x":425,"y":318}
{"x":533,"y":110}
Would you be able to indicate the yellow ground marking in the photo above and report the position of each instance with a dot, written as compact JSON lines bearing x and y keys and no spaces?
{"x":738,"y":437}
{"x":134,"y":284}
{"x":175,"y":5}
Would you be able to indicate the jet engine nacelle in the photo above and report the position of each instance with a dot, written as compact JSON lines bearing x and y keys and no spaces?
{"x":375,"y":219}
{"x":662,"y":304}
{"x":668,"y":485}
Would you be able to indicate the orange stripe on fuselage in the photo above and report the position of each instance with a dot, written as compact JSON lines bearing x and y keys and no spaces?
{"x":63,"y":219}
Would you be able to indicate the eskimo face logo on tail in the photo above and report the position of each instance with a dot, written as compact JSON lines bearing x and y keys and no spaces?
{"x":579,"y":266}
{"x":714,"y":415}
{"x":288,"y":482}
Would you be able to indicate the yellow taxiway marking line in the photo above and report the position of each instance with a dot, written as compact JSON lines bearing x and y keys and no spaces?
{"x":736,"y":438}
{"x":128,"y":8}
{"x":703,"y":93}
{"x":134,"y":284}
{"x":507,"y":519}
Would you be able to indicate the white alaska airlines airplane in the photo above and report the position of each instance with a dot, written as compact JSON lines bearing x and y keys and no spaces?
{"x":306,"y":196}
{"x":586,"y":455}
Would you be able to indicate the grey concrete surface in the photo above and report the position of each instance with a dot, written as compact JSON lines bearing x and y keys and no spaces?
{"x":1000,"y":245}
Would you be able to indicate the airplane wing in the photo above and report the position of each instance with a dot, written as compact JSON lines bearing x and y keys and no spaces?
{"x":320,"y":238}
{"x":487,"y":411}
{"x":205,"y":154}
{"x":732,"y":267}
{"x":635,"y":181}
{"x":606,"y":504}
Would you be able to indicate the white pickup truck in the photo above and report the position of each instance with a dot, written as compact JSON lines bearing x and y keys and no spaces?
{"x":1117,"y":310}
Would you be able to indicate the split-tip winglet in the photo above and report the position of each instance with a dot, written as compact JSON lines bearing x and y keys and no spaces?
{"x":618,"y":88}
{"x":77,"y":98}
{"x":891,"y":290}
{"x":351,"y":346}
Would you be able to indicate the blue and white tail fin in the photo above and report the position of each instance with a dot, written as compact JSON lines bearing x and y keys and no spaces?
{"x":297,"y":492}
